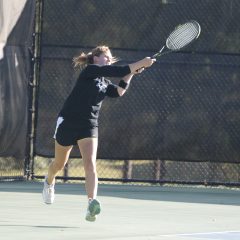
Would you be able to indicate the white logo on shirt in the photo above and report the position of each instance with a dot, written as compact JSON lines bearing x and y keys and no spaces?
{"x":102,"y":86}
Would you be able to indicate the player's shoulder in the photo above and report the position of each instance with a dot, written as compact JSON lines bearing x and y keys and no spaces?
{"x":91,"y":67}
{"x":88,"y":70}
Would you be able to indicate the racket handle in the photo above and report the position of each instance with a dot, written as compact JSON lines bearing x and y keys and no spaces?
{"x":158,"y":54}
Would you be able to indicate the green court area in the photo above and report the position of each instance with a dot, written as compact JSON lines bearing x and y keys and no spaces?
{"x":128,"y":213}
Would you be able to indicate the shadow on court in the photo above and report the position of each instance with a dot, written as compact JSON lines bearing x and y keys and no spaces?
{"x":33,"y":226}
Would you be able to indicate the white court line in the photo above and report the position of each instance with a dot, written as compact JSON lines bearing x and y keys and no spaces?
{"x":191,"y":234}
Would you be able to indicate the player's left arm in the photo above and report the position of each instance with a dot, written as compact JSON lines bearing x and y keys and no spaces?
{"x":125,"y":82}
{"x":118,"y":90}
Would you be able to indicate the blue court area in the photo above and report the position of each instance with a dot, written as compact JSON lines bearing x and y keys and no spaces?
{"x":128,"y":213}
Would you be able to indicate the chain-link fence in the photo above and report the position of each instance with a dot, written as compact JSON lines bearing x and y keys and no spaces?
{"x":16,"y":29}
{"x":179,"y":121}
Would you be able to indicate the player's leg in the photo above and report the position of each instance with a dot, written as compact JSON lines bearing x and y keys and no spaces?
{"x":61,"y":157}
{"x":88,"y":149}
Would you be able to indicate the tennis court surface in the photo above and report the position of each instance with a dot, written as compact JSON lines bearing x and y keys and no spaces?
{"x":128,"y":213}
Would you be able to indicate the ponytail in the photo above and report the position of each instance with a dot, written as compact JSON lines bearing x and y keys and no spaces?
{"x":82,"y":59}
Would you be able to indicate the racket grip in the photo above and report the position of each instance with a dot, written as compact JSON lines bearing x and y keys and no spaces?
{"x":154,"y":56}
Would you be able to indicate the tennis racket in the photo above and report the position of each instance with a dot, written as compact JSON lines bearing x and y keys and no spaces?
{"x":180,"y":37}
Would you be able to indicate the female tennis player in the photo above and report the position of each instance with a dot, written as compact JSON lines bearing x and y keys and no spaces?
{"x":77,"y":123}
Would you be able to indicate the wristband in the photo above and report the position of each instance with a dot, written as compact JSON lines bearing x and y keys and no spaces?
{"x":123,"y":84}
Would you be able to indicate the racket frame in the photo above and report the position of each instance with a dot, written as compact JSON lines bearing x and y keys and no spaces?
{"x":163,"y":50}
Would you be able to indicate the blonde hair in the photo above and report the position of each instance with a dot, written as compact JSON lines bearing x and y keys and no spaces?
{"x":85,"y":59}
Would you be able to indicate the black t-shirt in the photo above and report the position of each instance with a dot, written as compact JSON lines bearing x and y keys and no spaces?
{"x":84,"y":102}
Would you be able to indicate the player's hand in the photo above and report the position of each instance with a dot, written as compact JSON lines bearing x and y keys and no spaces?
{"x":148,"y":62}
{"x":139,"y":71}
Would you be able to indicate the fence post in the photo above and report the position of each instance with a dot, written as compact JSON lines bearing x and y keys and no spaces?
{"x":127,"y":170}
{"x":33,"y":87}
{"x":65,"y":172}
{"x":159,"y":170}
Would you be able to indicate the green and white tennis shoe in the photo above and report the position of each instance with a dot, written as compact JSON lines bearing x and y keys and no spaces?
{"x":94,"y":208}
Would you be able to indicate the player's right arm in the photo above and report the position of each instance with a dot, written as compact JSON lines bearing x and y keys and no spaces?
{"x":93,"y":70}
{"x":144,"y":63}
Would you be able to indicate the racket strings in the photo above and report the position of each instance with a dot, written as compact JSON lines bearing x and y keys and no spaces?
{"x":183,"y":35}
{"x":182,"y":38}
